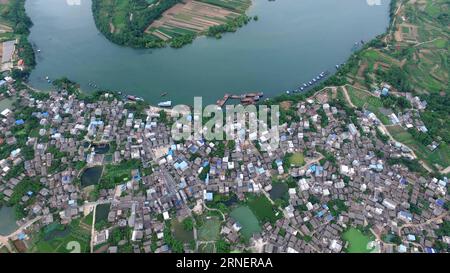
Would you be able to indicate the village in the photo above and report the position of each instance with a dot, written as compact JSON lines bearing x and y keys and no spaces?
{"x":105,"y":173}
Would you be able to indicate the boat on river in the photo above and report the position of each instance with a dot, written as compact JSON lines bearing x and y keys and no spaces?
{"x":165,"y":103}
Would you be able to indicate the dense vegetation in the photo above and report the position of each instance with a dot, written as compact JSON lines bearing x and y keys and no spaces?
{"x":230,"y":26}
{"x":14,"y":15}
{"x":132,"y":33}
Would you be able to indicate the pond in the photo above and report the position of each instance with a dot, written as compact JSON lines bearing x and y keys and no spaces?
{"x":292,"y":42}
{"x":231,"y":200}
{"x":248,"y":221}
{"x":357,"y":241}
{"x":101,"y":148}
{"x":91,"y":176}
{"x":7,"y":220}
{"x":101,"y":212}
{"x":279,"y":191}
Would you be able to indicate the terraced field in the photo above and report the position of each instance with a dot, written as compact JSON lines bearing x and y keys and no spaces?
{"x":418,"y":45}
{"x":413,"y":58}
{"x":194,"y":17}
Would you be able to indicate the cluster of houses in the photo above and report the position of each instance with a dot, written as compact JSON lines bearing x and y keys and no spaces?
{"x":345,"y":182}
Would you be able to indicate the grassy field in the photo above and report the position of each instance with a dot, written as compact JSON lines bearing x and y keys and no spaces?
{"x":357,"y":241}
{"x":297,"y":159}
{"x":210,"y":229}
{"x":6,"y":31}
{"x":262,"y":208}
{"x":3,"y":249}
{"x":367,"y":101}
{"x":56,"y":238}
{"x":117,"y":174}
{"x":440,"y":156}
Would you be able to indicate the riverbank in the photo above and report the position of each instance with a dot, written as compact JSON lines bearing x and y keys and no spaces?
{"x":284,"y":49}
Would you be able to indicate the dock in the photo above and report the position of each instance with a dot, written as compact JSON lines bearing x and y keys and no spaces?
{"x":224,"y":100}
{"x":246,"y":99}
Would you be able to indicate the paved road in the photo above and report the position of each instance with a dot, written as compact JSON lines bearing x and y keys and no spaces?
{"x":93,"y":229}
{"x":4,"y":240}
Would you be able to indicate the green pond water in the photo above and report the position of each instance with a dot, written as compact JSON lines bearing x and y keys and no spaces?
{"x":292,"y":42}
{"x":102,"y":211}
{"x":7,"y":220}
{"x":245,"y":217}
{"x":357,"y":241}
{"x":91,"y":176}
{"x":279,"y":191}
{"x":101,"y":148}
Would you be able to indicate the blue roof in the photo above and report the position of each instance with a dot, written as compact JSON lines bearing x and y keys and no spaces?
{"x":181,"y":165}
{"x":193,"y":149}
{"x":20,"y":122}
{"x":430,"y":250}
{"x":30,"y":193}
{"x":403,"y":181}
{"x":440,"y":202}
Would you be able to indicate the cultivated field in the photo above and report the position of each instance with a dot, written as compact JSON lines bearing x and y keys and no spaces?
{"x":193,"y":17}
{"x":419,"y":46}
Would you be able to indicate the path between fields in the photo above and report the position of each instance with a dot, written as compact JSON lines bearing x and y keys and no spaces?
{"x":212,"y":209}
{"x":446,"y":170}
{"x":93,"y":229}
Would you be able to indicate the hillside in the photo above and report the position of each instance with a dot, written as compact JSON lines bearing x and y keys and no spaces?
{"x":412,"y":58}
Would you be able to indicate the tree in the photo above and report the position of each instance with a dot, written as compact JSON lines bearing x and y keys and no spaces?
{"x":188,"y":224}
{"x":223,"y":246}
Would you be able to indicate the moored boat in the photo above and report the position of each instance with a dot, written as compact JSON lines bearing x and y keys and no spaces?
{"x":165,"y":103}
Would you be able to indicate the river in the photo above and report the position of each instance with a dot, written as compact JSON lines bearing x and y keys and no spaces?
{"x":293,"y":41}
